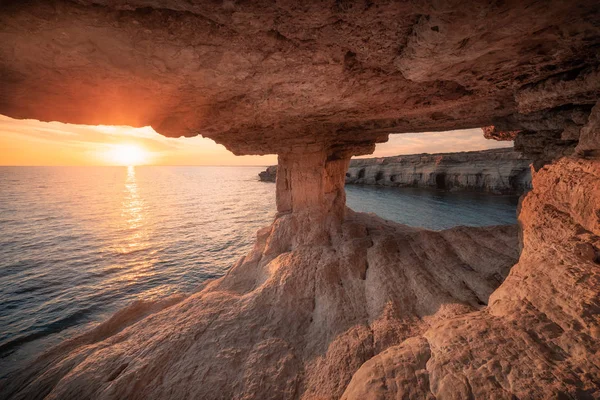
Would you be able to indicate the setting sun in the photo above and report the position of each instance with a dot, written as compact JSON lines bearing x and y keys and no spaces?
{"x":127,"y":154}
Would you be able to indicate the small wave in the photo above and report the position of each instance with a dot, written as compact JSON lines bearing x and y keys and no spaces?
{"x":61,"y":324}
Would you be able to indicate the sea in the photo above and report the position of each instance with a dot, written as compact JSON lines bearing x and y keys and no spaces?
{"x":79,"y":243}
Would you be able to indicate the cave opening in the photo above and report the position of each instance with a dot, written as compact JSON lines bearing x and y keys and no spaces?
{"x":418,"y":175}
{"x":440,"y":181}
{"x":348,"y":304}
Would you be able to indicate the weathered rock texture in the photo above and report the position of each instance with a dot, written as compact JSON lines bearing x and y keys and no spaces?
{"x":497,"y":171}
{"x":271,"y":77}
{"x":288,"y":320}
{"x":490,"y":132}
{"x":375,"y":310}
{"x":270,"y":174}
{"x":501,"y":171}
{"x":539,"y":337}
{"x":330,"y":303}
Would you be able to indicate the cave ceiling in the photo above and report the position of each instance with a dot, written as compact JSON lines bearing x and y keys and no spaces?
{"x":269,"y":76}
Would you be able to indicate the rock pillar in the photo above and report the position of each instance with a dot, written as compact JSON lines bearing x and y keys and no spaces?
{"x":312,"y":183}
{"x":310,"y":191}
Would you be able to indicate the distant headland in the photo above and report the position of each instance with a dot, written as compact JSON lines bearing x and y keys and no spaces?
{"x":497,"y":171}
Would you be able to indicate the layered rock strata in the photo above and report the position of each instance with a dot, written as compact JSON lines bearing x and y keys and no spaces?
{"x":264,"y":78}
{"x":501,"y":171}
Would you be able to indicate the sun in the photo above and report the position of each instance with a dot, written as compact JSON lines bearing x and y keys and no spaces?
{"x":127,"y":154}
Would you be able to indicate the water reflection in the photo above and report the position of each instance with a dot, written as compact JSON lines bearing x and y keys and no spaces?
{"x":108,"y":236}
{"x":133,"y":216}
{"x":433,"y":209}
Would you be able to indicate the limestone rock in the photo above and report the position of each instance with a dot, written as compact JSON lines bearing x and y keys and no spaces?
{"x":589,"y":139}
{"x":560,"y":89}
{"x":288,"y":320}
{"x":540,"y":335}
{"x":379,"y":310}
{"x":263,"y":77}
{"x":490,"y":132}
{"x":269,"y":174}
{"x":497,"y":171}
{"x":330,"y":303}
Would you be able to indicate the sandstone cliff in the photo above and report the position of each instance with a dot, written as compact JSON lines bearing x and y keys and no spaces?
{"x":502,"y":171}
{"x":330,"y":303}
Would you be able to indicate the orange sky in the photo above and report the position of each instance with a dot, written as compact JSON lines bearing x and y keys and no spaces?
{"x":31,"y":142}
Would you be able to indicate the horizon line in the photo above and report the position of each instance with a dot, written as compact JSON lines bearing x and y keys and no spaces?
{"x":141,"y":165}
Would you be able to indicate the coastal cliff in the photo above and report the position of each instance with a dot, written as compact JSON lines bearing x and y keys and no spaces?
{"x":330,"y":303}
{"x":291,"y":319}
{"x":500,"y":171}
{"x":365,"y":308}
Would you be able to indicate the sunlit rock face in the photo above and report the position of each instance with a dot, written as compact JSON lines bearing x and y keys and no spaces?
{"x":539,"y":336}
{"x":498,"y":171}
{"x":372,"y":309}
{"x":289,"y":320}
{"x":330,"y":303}
{"x":263,"y":77}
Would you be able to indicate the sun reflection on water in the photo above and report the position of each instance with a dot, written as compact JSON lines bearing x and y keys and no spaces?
{"x":133,"y":216}
{"x":109,"y":236}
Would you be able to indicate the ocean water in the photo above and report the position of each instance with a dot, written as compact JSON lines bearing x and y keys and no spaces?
{"x":433,"y":209}
{"x":77,"y":244}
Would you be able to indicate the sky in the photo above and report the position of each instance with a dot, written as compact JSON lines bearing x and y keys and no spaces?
{"x":31,"y":142}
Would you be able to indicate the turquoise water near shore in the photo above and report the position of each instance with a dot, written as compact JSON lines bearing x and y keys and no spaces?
{"x":77,"y":244}
{"x":433,"y":209}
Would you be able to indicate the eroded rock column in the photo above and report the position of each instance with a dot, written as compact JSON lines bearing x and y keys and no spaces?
{"x":310,"y":190}
{"x":311,"y":182}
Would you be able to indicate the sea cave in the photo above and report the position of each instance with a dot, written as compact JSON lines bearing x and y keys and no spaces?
{"x":332,"y":303}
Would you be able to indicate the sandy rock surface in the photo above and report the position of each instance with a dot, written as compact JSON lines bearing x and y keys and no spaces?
{"x":266,"y":77}
{"x":287,"y":321}
{"x":368,"y":309}
{"x":539,"y":338}
{"x":330,"y":303}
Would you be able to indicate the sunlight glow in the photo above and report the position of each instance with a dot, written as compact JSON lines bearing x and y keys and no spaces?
{"x":127,"y":154}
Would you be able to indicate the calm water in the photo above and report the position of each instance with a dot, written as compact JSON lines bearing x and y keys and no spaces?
{"x":433,"y":209}
{"x":77,"y":244}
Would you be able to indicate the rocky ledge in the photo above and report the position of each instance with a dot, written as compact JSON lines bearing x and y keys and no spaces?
{"x":499,"y":171}
{"x":367,"y":309}
{"x":289,"y":320}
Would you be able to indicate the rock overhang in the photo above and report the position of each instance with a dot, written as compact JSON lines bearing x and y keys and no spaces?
{"x":268,"y":77}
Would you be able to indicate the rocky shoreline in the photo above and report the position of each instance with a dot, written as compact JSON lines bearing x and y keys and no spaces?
{"x":497,"y":171}
{"x":330,"y":303}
